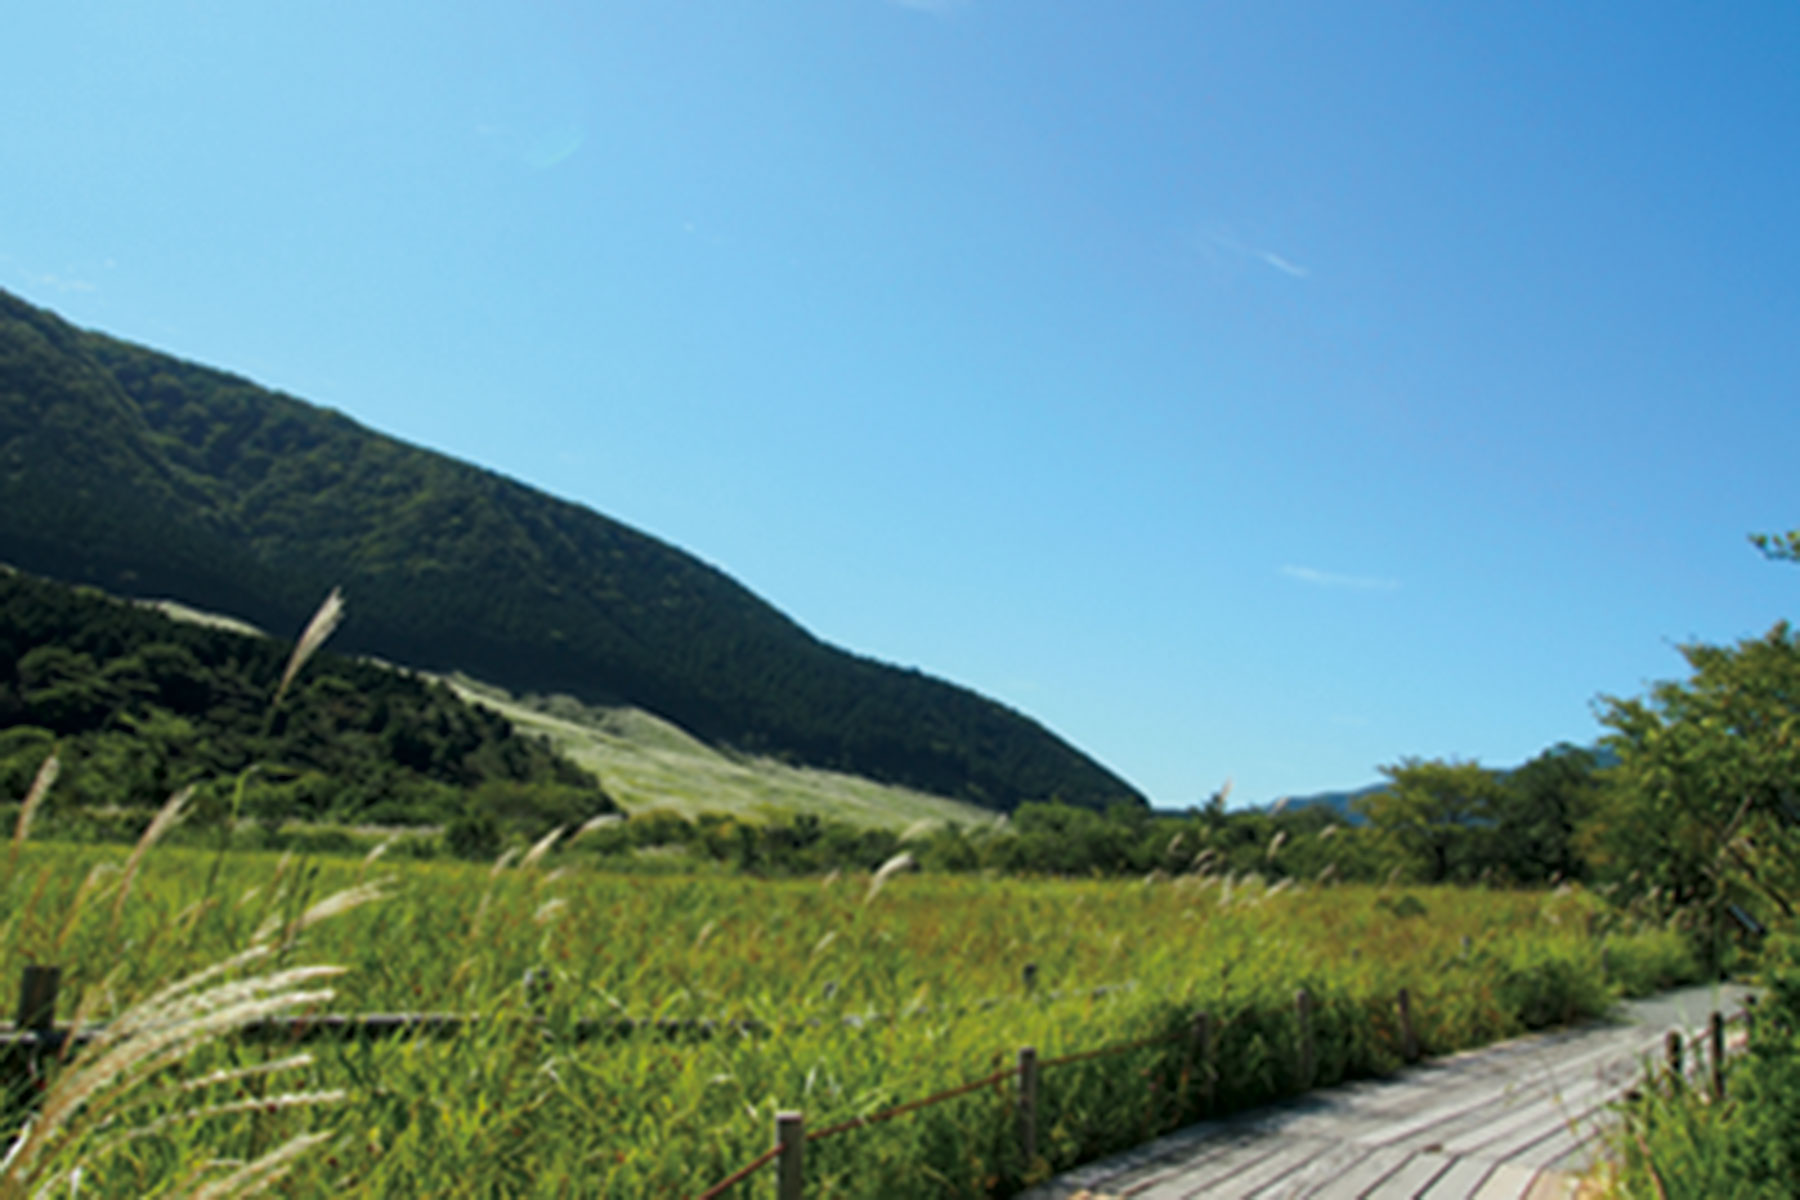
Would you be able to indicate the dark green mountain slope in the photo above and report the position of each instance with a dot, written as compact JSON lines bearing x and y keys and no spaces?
{"x":139,"y":705}
{"x":144,"y":474}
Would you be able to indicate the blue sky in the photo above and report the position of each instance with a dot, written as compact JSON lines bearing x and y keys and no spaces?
{"x":1265,"y":390}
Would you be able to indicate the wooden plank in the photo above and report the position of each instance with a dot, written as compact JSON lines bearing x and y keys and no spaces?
{"x":1581,"y":1157}
{"x":1152,"y":1161}
{"x":1465,"y":1108}
{"x":1205,"y":1178}
{"x":1526,"y":1144}
{"x":1486,"y":1123}
{"x":1367,"y":1174}
{"x":1267,"y":1176}
{"x":1417,"y":1174}
{"x":1535,"y":1113}
{"x":1509,"y":1181}
{"x":1552,"y":1185}
{"x":1164,"y":1154}
{"x":1324,"y":1169}
{"x":1552,"y":1147}
{"x":1518,"y":1142}
{"x":1462,"y":1180}
{"x":1322,"y":1137}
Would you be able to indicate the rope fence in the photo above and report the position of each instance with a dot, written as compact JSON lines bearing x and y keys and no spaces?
{"x":900,"y":1110}
{"x":35,"y":1034}
{"x":742,"y":1173}
{"x":792,"y":1137}
{"x":35,"y":1031}
{"x":1709,"y":1046}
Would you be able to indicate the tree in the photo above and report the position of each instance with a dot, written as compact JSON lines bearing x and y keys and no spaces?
{"x":1702,"y":809}
{"x":1434,"y":817}
{"x":1541,"y":805}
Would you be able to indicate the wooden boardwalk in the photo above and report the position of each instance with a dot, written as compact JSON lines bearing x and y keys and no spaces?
{"x":1519,"y":1119}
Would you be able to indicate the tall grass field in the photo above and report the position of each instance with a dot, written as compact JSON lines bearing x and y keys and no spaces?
{"x":838,"y":997}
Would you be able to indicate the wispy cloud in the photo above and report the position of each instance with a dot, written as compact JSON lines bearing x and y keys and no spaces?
{"x":62,"y":283}
{"x":1332,"y":579}
{"x":1216,"y":240}
{"x":1295,"y":270}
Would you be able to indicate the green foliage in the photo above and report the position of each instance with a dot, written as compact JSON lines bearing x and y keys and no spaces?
{"x":474,"y":836}
{"x":1542,"y":807}
{"x":1675,"y":1143}
{"x":1439,"y":822}
{"x":1780,"y":546}
{"x":1702,"y":808}
{"x":868,"y":1000}
{"x":150,"y":476}
{"x":140,"y":706}
{"x":1433,"y":815}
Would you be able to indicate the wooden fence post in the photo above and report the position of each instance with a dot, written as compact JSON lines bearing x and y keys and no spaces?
{"x":1202,"y":1051}
{"x":37,"y":998}
{"x":1672,"y":1052}
{"x":1715,"y":1030}
{"x":1409,"y":1037}
{"x":36,"y":1014}
{"x":1303,"y":1011}
{"x":1027,"y":1104}
{"x":790,"y":1135}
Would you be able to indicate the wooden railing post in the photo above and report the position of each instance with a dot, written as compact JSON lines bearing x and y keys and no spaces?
{"x":36,"y":1014}
{"x":1202,"y":1051}
{"x":1715,"y":1039}
{"x":1672,"y":1052}
{"x":790,"y":1135}
{"x":1303,"y":1013}
{"x":37,"y":998}
{"x":1027,"y":1104}
{"x":1409,"y":1036}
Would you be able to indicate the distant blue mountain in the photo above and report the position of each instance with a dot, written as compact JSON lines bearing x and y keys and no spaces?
{"x":1338,"y":801}
{"x":1341,"y":802}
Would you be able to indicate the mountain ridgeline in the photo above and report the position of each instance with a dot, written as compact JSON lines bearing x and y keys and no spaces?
{"x":147,"y":475}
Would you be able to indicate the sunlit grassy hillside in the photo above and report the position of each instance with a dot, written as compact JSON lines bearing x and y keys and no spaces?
{"x":647,"y":763}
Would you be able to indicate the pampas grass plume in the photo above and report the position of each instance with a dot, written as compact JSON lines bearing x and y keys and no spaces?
{"x":323,"y":624}
{"x":892,"y":867}
{"x":593,"y":823}
{"x":539,"y":848}
{"x":34,"y":800}
{"x":165,"y":819}
{"x":261,"y":1174}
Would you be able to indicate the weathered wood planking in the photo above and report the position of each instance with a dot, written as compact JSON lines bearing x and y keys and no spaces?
{"x":1516,"y":1121}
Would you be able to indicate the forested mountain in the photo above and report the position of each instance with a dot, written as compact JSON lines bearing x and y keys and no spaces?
{"x":138,"y":705}
{"x":152,"y":476}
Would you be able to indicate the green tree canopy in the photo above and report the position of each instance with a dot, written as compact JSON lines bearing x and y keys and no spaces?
{"x":1703,"y":807}
{"x":1434,"y":817}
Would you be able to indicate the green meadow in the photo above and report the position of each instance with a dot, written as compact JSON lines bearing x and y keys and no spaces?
{"x":839,"y":997}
